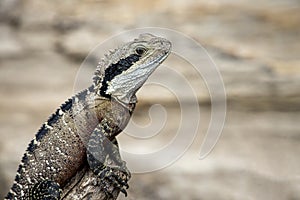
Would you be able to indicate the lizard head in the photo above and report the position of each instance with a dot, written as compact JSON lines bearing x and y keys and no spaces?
{"x":122,"y":72}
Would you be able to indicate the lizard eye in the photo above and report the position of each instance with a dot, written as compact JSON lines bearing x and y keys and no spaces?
{"x":140,"y":50}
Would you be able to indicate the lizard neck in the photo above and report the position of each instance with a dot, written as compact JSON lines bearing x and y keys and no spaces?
{"x":100,"y":99}
{"x":128,"y":105}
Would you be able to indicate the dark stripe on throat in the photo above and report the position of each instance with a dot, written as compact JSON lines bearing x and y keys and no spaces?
{"x":116,"y":69}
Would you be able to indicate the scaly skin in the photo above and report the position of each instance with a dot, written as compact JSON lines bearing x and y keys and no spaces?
{"x":81,"y":133}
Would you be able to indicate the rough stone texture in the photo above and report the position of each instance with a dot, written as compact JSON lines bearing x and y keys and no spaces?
{"x":255,"y":45}
{"x":10,"y":46}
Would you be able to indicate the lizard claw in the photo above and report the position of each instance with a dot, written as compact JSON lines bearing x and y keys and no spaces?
{"x":121,"y":181}
{"x":113,"y":176}
{"x":123,"y":191}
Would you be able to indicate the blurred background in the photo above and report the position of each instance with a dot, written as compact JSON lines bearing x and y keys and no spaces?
{"x":254,"y":44}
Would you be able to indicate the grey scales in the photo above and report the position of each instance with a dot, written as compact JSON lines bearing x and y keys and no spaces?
{"x":81,"y":134}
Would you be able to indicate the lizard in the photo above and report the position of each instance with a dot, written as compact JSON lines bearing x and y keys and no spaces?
{"x":82,"y":131}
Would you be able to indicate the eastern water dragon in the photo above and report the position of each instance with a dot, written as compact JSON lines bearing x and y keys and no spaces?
{"x":82,"y":132}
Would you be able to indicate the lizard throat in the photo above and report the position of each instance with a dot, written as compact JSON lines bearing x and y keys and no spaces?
{"x":116,"y":69}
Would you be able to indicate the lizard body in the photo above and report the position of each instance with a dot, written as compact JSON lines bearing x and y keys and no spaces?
{"x":82,"y":131}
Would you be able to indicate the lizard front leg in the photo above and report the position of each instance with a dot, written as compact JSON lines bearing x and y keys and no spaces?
{"x":46,"y":189}
{"x":105,"y":161}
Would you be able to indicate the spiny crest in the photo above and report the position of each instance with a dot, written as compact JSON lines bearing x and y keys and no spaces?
{"x":116,"y":69}
{"x":112,"y":57}
{"x":99,"y":73}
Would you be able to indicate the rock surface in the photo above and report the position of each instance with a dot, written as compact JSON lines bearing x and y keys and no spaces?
{"x":255,"y":46}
